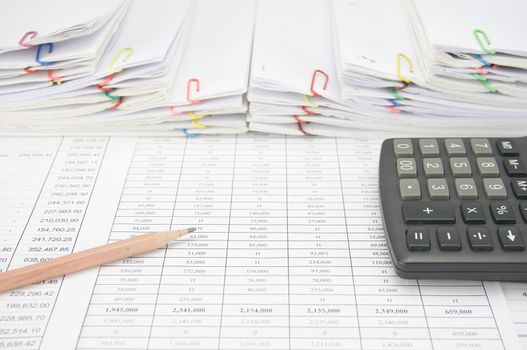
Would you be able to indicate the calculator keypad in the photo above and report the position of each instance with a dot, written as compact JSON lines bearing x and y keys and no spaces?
{"x":457,"y":197}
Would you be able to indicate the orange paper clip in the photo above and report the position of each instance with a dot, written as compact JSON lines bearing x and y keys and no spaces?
{"x":189,"y":83}
{"x":314,"y":78}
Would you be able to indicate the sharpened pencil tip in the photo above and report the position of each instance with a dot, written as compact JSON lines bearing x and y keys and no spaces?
{"x":191,"y":229}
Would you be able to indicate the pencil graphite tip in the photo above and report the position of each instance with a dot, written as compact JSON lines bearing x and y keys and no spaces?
{"x":191,"y":229}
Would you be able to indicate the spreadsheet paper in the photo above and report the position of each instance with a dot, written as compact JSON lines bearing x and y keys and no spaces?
{"x":289,"y":251}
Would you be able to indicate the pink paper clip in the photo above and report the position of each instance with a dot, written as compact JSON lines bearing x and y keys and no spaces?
{"x":480,"y":70}
{"x":189,"y":83}
{"x":22,"y":41}
{"x":173,"y":111}
{"x":313,"y":79}
{"x":393,"y":109}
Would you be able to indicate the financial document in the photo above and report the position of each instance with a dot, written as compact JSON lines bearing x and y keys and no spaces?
{"x":289,"y":251}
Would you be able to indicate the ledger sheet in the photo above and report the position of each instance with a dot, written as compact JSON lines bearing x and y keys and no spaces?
{"x":289,"y":251}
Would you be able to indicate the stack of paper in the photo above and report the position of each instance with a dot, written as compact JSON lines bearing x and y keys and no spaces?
{"x":176,"y":62}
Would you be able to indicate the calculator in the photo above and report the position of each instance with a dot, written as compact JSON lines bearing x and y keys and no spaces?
{"x":455,"y":207}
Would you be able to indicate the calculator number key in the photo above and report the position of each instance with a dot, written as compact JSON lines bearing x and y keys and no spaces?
{"x":418,"y":239}
{"x":479,"y":239}
{"x":487,"y":167}
{"x":437,"y":189}
{"x":494,"y":188}
{"x":428,"y":147}
{"x":481,"y":147}
{"x":511,"y":239}
{"x":502,"y":212}
{"x":466,"y":188}
{"x":455,"y":147}
{"x":406,"y":167}
{"x":460,"y":167}
{"x":403,"y":147}
{"x":433,"y":167}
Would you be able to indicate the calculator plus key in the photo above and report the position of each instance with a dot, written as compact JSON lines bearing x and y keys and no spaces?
{"x":426,"y":212}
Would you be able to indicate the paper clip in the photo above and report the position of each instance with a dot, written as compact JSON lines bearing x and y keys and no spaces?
{"x":299,"y":123}
{"x":401,"y":76}
{"x":189,"y":83}
{"x":481,"y":70}
{"x":188,"y":134}
{"x":22,"y":41}
{"x":313,"y":79}
{"x":119,"y":102}
{"x":307,"y":111}
{"x":309,"y":103}
{"x":478,"y":33}
{"x":395,"y":94}
{"x":29,"y":71}
{"x":39,"y":49}
{"x":393,"y":109}
{"x":482,"y":60}
{"x":485,"y":82}
{"x":173,"y":111}
{"x":394,"y":102}
{"x":129,"y":51}
{"x":102,"y":85}
{"x":195,"y":118}
{"x":112,"y":97}
{"x":53,"y":79}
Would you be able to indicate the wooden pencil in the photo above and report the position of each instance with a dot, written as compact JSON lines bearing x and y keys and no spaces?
{"x":87,"y":258}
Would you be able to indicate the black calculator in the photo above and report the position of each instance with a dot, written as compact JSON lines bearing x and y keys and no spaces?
{"x":456,"y":208}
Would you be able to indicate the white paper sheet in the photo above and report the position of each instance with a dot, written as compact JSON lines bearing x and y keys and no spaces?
{"x":289,"y":252}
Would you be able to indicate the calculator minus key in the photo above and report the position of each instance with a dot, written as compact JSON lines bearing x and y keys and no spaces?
{"x":427,"y":212}
{"x":448,"y":239}
{"x":409,"y":189}
{"x":403,"y":147}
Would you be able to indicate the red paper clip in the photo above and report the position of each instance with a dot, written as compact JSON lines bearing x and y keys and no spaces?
{"x":393,"y":109}
{"x":29,"y":71}
{"x":307,"y":111}
{"x":189,"y":99}
{"x":173,"y":111}
{"x":53,"y":79}
{"x":22,"y":41}
{"x":314,"y":77}
{"x":299,"y":123}
{"x":119,"y":102}
{"x":102,"y":85}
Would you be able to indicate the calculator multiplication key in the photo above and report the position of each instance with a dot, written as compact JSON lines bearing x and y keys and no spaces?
{"x":403,"y":147}
{"x":502,"y":212}
{"x":507,"y":147}
{"x":418,"y":239}
{"x":514,"y":167}
{"x":481,"y":147}
{"x":494,"y":188}
{"x":479,"y":239}
{"x":472,"y":213}
{"x":455,"y":147}
{"x":519,"y":188}
{"x":429,"y":147}
{"x":406,"y":167}
{"x":511,"y":239}
{"x":448,"y":239}
{"x":428,"y":212}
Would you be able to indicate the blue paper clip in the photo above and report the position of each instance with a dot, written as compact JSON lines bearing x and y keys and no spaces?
{"x":188,"y":134}
{"x":482,"y":60}
{"x":394,"y":102}
{"x":39,"y":48}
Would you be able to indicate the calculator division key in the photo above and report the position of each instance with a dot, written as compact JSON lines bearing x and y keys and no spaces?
{"x":494,"y":188}
{"x":502,"y":212}
{"x":519,"y":187}
{"x":472,"y":212}
{"x":511,"y":239}
{"x":409,"y":189}
{"x":448,"y":239}
{"x":437,"y":189}
{"x":460,"y":167}
{"x":418,"y":239}
{"x":523,"y":210}
{"x":466,"y":188}
{"x":481,"y":147}
{"x":455,"y":147}
{"x":514,"y":167}
{"x":479,"y":239}
{"x":507,"y":147}
{"x":487,"y":167}
{"x":429,"y":147}
{"x":406,"y":167}
{"x":433,"y":167}
{"x":428,"y":212}
{"x":403,"y":147}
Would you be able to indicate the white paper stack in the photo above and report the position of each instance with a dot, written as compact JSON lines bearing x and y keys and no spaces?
{"x":144,"y":76}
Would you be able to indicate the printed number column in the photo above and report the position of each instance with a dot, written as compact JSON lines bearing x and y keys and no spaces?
{"x":51,"y":232}
{"x":255,"y":305}
{"x":323,"y":310}
{"x":390,"y":308}
{"x":121,"y":310}
{"x":188,"y":312}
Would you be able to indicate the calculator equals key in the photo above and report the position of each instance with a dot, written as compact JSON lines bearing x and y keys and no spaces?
{"x":456,"y":207}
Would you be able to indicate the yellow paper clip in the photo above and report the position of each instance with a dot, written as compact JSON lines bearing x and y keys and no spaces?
{"x":401,"y":76}
{"x":195,"y":118}
{"x":129,"y":51}
{"x":309,"y":103}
